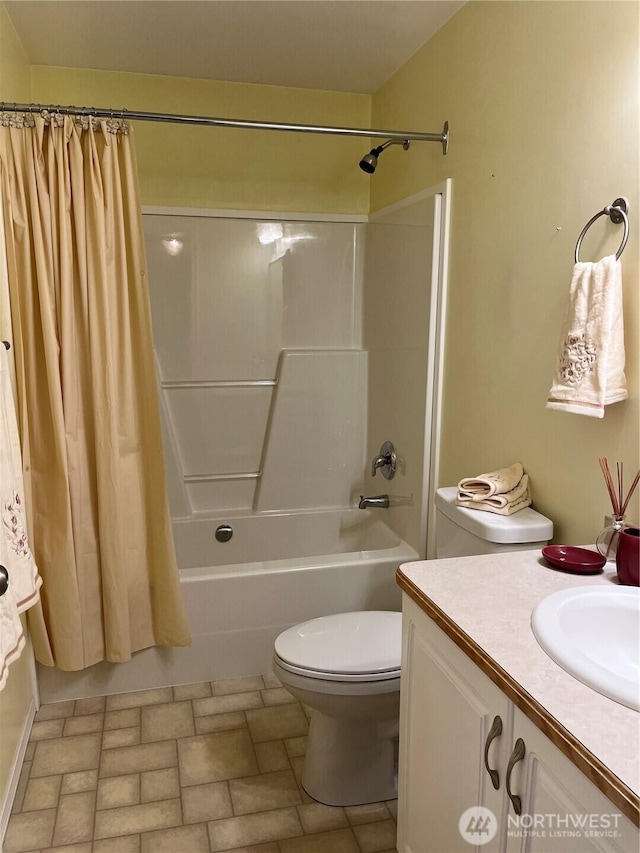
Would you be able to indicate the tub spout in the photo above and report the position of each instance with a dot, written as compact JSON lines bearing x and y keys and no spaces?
{"x":379,"y":501}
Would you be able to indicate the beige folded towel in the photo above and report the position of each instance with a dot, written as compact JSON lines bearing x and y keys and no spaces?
{"x":505,"y":504}
{"x":494,"y":483}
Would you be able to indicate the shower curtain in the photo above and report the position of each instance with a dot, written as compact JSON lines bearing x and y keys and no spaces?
{"x":88,"y":415}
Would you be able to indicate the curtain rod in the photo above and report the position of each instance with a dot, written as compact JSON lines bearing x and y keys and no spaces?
{"x":136,"y":115}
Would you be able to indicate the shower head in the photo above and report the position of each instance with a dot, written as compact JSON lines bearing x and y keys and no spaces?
{"x":369,"y":162}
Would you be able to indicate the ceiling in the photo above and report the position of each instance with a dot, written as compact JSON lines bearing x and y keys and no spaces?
{"x":338,"y":45}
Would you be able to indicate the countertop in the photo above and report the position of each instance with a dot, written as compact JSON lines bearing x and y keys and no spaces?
{"x":484,"y":603}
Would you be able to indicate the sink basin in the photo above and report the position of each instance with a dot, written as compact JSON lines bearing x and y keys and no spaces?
{"x":593,"y":633}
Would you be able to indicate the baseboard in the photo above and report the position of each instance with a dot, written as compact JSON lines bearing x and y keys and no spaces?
{"x":7,"y":803}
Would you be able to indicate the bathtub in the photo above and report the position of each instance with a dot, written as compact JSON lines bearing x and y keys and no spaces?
{"x":239,"y":595}
{"x":242,"y":593}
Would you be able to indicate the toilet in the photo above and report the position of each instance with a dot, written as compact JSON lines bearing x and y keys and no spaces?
{"x":346,"y":667}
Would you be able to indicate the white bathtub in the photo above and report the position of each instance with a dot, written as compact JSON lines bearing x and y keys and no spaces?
{"x":241,"y":594}
{"x":268,"y":541}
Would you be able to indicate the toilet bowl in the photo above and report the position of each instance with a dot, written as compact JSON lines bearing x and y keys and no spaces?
{"x":346,"y":668}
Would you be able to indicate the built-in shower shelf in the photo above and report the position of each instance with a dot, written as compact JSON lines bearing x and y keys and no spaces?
{"x":210,"y":478}
{"x":218,"y":383}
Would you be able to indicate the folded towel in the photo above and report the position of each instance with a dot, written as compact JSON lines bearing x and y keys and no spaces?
{"x":494,"y":483}
{"x":590,"y":365}
{"x":521,"y":499}
{"x":17,"y":557}
{"x":500,"y":501}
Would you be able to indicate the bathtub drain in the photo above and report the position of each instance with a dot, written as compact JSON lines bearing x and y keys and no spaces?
{"x":224,"y":532}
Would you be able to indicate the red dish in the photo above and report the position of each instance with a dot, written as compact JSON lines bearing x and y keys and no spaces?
{"x":578,"y":561}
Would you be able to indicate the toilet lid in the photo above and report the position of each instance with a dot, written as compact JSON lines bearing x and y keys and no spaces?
{"x":345,"y":644}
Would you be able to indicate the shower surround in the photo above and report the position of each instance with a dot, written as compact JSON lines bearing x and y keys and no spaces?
{"x":257,"y":329}
{"x":267,"y":393}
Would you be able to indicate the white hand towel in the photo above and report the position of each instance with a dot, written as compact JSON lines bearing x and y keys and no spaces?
{"x":521,"y":499}
{"x":11,"y":635}
{"x":18,"y":559}
{"x":494,"y":483}
{"x":590,"y":365}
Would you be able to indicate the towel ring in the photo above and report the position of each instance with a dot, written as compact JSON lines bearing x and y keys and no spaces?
{"x":617,"y":212}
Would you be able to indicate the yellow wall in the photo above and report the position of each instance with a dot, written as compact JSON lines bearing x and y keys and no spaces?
{"x":15,"y":699}
{"x":212,"y":167}
{"x":15,"y":76}
{"x":543,"y":104}
{"x":542,"y":99}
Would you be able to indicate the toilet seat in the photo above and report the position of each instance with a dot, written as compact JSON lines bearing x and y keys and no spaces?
{"x":387,"y":675}
{"x":361,"y":646}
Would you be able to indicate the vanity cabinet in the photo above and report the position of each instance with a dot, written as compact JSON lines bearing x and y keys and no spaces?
{"x":460,"y":737}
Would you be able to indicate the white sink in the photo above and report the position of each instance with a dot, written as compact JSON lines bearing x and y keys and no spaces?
{"x":593,"y":633}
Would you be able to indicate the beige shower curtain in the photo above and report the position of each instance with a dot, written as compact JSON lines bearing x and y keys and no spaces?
{"x":94,"y":474}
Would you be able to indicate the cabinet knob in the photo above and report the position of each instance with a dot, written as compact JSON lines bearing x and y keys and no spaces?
{"x":494,"y":732}
{"x":519,"y":752}
{"x":4,"y":580}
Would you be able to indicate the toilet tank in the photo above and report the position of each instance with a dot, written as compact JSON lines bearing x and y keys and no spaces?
{"x":462,"y":532}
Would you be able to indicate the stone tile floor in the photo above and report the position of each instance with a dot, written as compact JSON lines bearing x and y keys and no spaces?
{"x":200,"y":768}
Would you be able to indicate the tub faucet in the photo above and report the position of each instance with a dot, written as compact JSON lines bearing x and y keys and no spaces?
{"x":379,"y":501}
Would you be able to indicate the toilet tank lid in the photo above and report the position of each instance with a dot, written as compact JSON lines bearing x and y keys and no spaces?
{"x":527,"y":525}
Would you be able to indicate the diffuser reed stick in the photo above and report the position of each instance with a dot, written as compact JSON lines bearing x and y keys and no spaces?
{"x":619,"y":470}
{"x":631,"y":491}
{"x":608,"y":479}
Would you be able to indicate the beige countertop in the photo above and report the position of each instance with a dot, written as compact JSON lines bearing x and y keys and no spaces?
{"x":485,"y":604}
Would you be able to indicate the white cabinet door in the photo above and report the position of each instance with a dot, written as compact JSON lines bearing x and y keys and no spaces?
{"x":446,"y":712}
{"x":563,"y":811}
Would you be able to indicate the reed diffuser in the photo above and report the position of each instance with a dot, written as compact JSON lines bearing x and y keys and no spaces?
{"x":607,"y":541}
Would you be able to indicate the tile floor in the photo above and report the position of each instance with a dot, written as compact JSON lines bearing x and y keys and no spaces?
{"x":201,"y":768}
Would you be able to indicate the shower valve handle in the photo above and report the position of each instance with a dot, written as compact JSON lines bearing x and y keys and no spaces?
{"x":386,"y":461}
{"x":378,"y":462}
